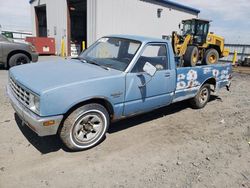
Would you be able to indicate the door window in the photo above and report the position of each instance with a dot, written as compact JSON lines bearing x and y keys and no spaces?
{"x":155,"y":54}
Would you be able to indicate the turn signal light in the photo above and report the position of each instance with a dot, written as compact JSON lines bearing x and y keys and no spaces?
{"x":48,"y":123}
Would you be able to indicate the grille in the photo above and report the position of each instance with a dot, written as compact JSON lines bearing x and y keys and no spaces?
{"x":21,"y":94}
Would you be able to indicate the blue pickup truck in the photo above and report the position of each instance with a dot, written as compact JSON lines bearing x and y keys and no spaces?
{"x":117,"y":77}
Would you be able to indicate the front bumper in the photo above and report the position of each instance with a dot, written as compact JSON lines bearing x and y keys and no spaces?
{"x":34,"y":57}
{"x":32,"y":120}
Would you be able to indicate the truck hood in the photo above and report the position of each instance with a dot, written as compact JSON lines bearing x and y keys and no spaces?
{"x":43,"y":76}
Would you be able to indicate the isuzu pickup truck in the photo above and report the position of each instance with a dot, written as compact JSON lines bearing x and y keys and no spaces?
{"x":117,"y":77}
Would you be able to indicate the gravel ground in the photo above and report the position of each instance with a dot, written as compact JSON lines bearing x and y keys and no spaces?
{"x":174,"y":146}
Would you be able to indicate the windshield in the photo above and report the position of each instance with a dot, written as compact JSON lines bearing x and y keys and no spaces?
{"x":188,"y":27}
{"x":111,"y":52}
{"x":3,"y":38}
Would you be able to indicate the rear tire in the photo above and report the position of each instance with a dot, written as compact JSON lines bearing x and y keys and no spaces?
{"x":18,"y":59}
{"x":85,"y":127}
{"x":202,"y":97}
{"x":211,"y":57}
{"x":191,"y":56}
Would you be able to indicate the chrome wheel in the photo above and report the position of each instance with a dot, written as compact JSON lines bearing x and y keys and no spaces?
{"x":85,"y":127}
{"x":88,"y":127}
{"x":204,"y":93}
{"x":202,"y":97}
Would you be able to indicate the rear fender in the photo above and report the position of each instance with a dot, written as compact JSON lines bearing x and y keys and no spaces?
{"x":211,"y":81}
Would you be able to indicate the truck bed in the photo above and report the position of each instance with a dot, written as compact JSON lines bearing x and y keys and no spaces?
{"x":189,"y":79}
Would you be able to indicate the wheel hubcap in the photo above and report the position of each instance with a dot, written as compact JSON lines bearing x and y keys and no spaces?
{"x":195,"y":57}
{"x":212,"y":59}
{"x":88,"y":127}
{"x":21,"y":60}
{"x":203,"y":95}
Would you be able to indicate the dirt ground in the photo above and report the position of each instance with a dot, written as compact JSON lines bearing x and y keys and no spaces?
{"x":174,"y":146}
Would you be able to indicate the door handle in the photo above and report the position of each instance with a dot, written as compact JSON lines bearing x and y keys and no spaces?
{"x":167,"y":74}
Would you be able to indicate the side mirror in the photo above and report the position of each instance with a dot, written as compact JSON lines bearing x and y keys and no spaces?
{"x":179,"y":25}
{"x":149,"y":69}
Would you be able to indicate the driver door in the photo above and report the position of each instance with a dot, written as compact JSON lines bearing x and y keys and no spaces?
{"x":143,"y":92}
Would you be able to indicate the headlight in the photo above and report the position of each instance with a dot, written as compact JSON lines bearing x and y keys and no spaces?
{"x":32,"y":48}
{"x":35,"y":103}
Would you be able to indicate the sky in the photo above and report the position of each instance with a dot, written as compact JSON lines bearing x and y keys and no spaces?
{"x":230,"y":18}
{"x":15,"y":15}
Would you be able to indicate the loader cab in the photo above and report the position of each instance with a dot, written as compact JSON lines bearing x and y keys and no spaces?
{"x":197,"y":28}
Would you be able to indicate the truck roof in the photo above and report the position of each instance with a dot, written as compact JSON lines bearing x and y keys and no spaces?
{"x":142,"y":39}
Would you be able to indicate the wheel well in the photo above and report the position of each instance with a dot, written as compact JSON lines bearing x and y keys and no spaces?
{"x":106,"y":104}
{"x":17,"y":52}
{"x":211,"y":81}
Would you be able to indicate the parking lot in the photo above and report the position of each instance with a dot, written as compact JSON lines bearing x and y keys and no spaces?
{"x":175,"y":146}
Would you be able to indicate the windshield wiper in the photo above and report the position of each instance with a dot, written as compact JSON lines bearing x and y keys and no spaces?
{"x":81,"y":59}
{"x":90,"y":62}
{"x":94,"y":63}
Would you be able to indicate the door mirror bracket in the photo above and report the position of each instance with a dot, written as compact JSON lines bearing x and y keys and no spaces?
{"x":150,"y":70}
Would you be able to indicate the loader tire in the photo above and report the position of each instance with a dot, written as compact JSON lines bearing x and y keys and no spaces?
{"x":191,"y":56}
{"x":211,"y":57}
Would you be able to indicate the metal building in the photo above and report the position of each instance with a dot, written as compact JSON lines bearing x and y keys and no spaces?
{"x":243,"y":51}
{"x":75,"y":21}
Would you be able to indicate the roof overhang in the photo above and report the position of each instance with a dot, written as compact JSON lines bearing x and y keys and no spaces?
{"x":198,"y":19}
{"x":178,"y":5}
{"x":170,"y":3}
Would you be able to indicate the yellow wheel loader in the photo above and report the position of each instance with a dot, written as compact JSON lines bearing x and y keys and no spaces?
{"x":196,"y":43}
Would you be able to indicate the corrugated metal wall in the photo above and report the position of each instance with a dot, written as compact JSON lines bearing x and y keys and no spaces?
{"x":243,"y":51}
{"x":91,"y":21}
{"x":105,"y":17}
{"x":56,"y":11}
{"x":137,"y":17}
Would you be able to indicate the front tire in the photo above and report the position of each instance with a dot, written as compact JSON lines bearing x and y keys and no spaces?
{"x":18,"y":59}
{"x":191,"y":56}
{"x":202,"y":97}
{"x":85,"y":127}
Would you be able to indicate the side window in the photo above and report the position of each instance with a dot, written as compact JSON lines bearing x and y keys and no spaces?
{"x":205,"y":29}
{"x":199,"y":29}
{"x":155,"y":54}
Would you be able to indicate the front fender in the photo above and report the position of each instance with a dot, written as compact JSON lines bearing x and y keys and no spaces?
{"x":59,"y":101}
{"x":88,"y":99}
